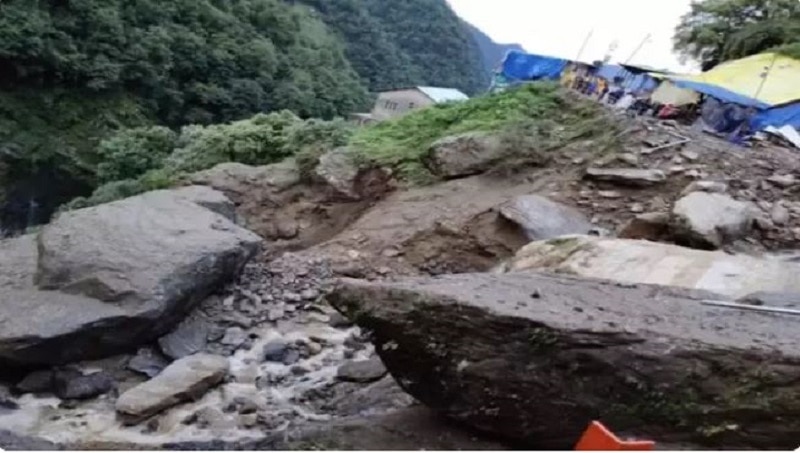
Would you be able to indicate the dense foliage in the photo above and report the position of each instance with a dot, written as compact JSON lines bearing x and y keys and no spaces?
{"x":715,"y":31}
{"x":142,"y":159}
{"x":403,"y":43}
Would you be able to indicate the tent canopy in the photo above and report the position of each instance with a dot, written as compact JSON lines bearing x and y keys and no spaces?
{"x":761,"y":81}
{"x":521,"y":66}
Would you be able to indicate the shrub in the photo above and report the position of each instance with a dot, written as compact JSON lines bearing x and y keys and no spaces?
{"x":131,"y":152}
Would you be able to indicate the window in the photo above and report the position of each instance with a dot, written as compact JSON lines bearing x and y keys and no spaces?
{"x":411,"y":105}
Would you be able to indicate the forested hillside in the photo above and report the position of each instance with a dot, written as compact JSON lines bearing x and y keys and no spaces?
{"x":492,"y":52}
{"x":73,"y":72}
{"x":406,"y":42}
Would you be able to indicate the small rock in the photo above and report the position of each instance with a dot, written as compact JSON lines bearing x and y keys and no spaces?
{"x":364,"y":371}
{"x":763,"y":223}
{"x":383,"y":270}
{"x":390,"y":253}
{"x":188,"y":338}
{"x":292,"y":297}
{"x":211,"y":417}
{"x":299,"y":370}
{"x":674,"y":170}
{"x":314,"y":348}
{"x":633,"y":177}
{"x":690,"y":155}
{"x":36,"y":382}
{"x":779,"y":214}
{"x":309,"y":294}
{"x":339,"y":321}
{"x":629,"y":158}
{"x":275,"y":351}
{"x":710,"y":220}
{"x":610,"y":194}
{"x":783,"y":181}
{"x":234,"y":336}
{"x":291,"y":357}
{"x":764,"y":205}
{"x":637,"y":208}
{"x":147,"y":362}
{"x":73,"y":385}
{"x":275,"y":314}
{"x":247,"y":420}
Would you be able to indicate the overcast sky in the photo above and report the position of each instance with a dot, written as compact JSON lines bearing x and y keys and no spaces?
{"x":559,"y":27}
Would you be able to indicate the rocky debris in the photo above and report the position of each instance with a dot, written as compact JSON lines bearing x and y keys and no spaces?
{"x":632,"y":177}
{"x":18,"y":262}
{"x":643,"y":359}
{"x":711,"y":220}
{"x":542,"y":218}
{"x":122,"y":274}
{"x":705,"y":186}
{"x":189,"y":337}
{"x":633,"y":261}
{"x":464,"y":155}
{"x":362,"y":371}
{"x":68,"y":383}
{"x":275,"y":351}
{"x":779,"y":214}
{"x":237,"y":179}
{"x":651,"y":226}
{"x":208,"y":198}
{"x":14,"y":442}
{"x":147,"y":362}
{"x":183,"y":380}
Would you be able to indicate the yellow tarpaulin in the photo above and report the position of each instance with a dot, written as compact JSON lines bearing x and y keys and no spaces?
{"x":779,"y":74}
{"x":669,"y":93}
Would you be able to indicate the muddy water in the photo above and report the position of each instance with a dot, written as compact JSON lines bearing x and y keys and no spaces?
{"x":94,"y":422}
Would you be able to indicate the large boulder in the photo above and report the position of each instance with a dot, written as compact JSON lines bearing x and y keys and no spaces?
{"x":184,"y":380}
{"x":117,"y":275}
{"x":350,"y":180}
{"x":464,"y":155}
{"x":632,"y":177}
{"x":633,"y":261}
{"x":18,"y":262}
{"x":536,"y":358}
{"x":711,"y":220}
{"x":541,"y":218}
{"x":238,"y":180}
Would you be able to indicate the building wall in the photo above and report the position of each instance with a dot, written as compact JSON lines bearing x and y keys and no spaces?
{"x":392,"y":104}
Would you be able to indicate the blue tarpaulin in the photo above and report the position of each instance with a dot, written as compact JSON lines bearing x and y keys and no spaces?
{"x":778,"y":117}
{"x":630,"y":81}
{"x":519,"y":66}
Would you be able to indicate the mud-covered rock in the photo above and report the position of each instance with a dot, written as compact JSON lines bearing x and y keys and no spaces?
{"x":464,"y":155}
{"x":183,"y":380}
{"x":633,"y":261}
{"x":542,"y":218}
{"x":711,"y":220}
{"x":647,"y":360}
{"x":651,"y":226}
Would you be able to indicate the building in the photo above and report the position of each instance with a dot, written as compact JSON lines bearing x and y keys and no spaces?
{"x":393,"y":104}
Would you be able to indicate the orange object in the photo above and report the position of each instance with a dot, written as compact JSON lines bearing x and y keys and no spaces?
{"x":598,"y":438}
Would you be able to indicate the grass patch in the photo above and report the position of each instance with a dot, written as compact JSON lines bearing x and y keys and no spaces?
{"x":532,"y":119}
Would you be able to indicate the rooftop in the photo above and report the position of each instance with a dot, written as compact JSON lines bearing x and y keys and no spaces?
{"x":443,"y":94}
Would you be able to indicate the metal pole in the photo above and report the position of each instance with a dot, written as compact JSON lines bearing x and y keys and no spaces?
{"x":641,"y":44}
{"x":776,"y":310}
{"x":583,"y":46}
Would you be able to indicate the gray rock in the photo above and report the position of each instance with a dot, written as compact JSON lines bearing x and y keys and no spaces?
{"x":464,"y":155}
{"x":339,"y":170}
{"x":363,"y":371}
{"x":74,"y":385}
{"x":15,"y":442}
{"x":339,"y":321}
{"x":275,"y":351}
{"x":542,"y":218}
{"x":632,"y":177}
{"x":18,"y":262}
{"x":240,"y":179}
{"x":783,"y":181}
{"x":147,"y":362}
{"x":505,"y":363}
{"x":779,"y":214}
{"x":183,"y":380}
{"x":190,"y":337}
{"x":36,"y":382}
{"x":710,"y":220}
{"x":126,"y":272}
{"x":234,"y":336}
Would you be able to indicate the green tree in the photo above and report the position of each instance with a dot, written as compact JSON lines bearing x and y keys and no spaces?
{"x":719,"y":30}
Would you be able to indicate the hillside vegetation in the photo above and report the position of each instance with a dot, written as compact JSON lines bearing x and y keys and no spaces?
{"x":72,"y":72}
